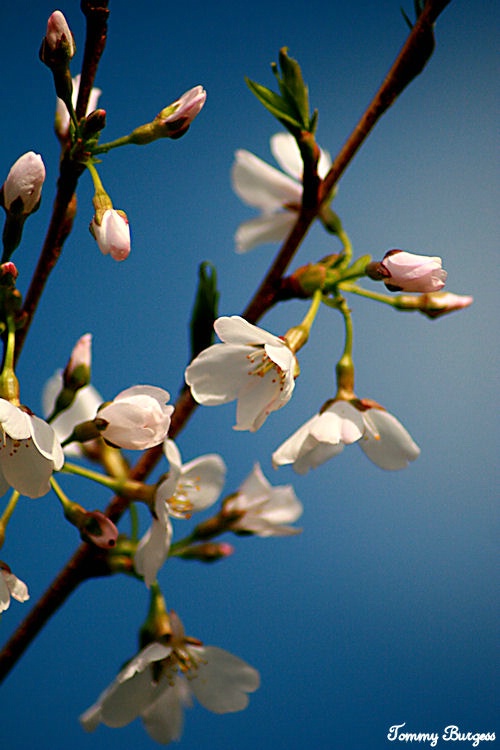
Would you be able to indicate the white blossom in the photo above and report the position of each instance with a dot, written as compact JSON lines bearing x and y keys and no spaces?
{"x":278,"y":196}
{"x":382,"y":438}
{"x":137,"y":419}
{"x":29,"y":451}
{"x":188,"y":488}
{"x":158,"y":683}
{"x":251,"y":366}
{"x":261,"y":509}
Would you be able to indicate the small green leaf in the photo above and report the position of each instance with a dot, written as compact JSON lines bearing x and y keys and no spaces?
{"x":204,"y":309}
{"x":275,"y":104}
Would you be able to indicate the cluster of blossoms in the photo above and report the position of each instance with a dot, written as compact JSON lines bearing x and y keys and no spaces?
{"x":249,"y":365}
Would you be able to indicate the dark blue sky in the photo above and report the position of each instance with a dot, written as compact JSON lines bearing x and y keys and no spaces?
{"x":383,"y":610}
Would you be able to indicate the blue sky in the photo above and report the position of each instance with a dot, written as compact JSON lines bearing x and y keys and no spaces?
{"x":383,"y":610}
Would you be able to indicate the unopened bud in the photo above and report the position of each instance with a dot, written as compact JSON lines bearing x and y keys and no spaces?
{"x":207,"y":551}
{"x":58,"y":45}
{"x":22,"y":190}
{"x":112,"y":233}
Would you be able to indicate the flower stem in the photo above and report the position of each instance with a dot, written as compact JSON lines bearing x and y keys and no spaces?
{"x":120,"y":485}
{"x":9,"y":384}
{"x":103,"y":148}
{"x":377,"y":296}
{"x":9,"y":510}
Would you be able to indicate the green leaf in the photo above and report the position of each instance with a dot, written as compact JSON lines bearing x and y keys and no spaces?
{"x":204,"y":309}
{"x":293,"y":87}
{"x":275,"y":104}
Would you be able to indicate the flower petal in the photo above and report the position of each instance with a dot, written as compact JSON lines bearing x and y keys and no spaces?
{"x":202,"y":480}
{"x":164,"y":718}
{"x":14,"y":421}
{"x":45,"y":439}
{"x":262,"y":186}
{"x":263,"y":229}
{"x":222,"y":680}
{"x":24,"y":467}
{"x":152,"y":550}
{"x":392,"y":448}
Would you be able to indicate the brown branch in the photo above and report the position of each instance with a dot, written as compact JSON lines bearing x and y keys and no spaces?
{"x":87,"y":561}
{"x":64,"y":209}
{"x":409,"y":63}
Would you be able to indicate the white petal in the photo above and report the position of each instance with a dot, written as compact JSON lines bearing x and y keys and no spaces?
{"x":91,"y":718}
{"x":151,"y":391}
{"x":286,"y":152}
{"x":126,"y":700}
{"x":216,"y":375}
{"x":14,"y":421}
{"x":45,"y":439}
{"x":163,"y":719}
{"x":237,"y":330}
{"x":394,"y":448}
{"x":202,"y":480}
{"x":152,"y":652}
{"x":4,"y":593}
{"x":262,"y":186}
{"x":341,"y":422}
{"x":83,"y":408}
{"x":24,"y":467}
{"x":264,"y":229}
{"x":260,"y":395}
{"x":289,"y":450}
{"x":222,"y":680}
{"x":17,"y":588}
{"x":254,"y":487}
{"x":173,"y":456}
{"x":152,"y":550}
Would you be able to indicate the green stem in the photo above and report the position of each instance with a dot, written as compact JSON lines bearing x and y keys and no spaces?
{"x":346,"y":246}
{"x":103,"y":148}
{"x":66,"y":503}
{"x":119,"y":485}
{"x":377,"y":296}
{"x":9,"y":384}
{"x":9,"y":510}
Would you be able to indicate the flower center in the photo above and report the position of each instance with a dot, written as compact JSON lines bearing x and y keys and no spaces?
{"x":180,"y":504}
{"x":262,"y":364}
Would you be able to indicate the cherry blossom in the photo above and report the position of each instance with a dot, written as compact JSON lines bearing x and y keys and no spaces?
{"x":406,"y":272}
{"x":252,"y":366}
{"x":441,"y":303}
{"x":22,"y":189}
{"x":187,"y":488}
{"x":112,"y":234}
{"x":159,"y":681}
{"x":382,"y":438}
{"x":137,"y":419}
{"x":11,"y":586}
{"x":259,"y":508}
{"x":29,"y":451}
{"x":278,"y":196}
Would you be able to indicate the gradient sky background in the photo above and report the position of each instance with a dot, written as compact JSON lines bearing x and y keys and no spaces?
{"x":383,"y":610}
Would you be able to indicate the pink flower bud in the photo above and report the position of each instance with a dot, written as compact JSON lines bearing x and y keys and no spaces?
{"x":179,"y":115}
{"x":112,"y":234}
{"x":77,"y":371}
{"x":406,"y":272}
{"x":23,"y":187}
{"x":98,"y":529}
{"x":59,"y":36}
{"x":441,"y":303}
{"x":9,"y":269}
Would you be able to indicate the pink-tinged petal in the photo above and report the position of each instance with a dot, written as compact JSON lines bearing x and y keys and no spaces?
{"x":413,"y":273}
{"x":264,"y":229}
{"x":164,"y":718}
{"x":24,"y":182}
{"x":14,"y":421}
{"x":392,"y":447}
{"x":222,"y":680}
{"x":112,"y":234}
{"x":152,"y":550}
{"x":262,"y":186}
